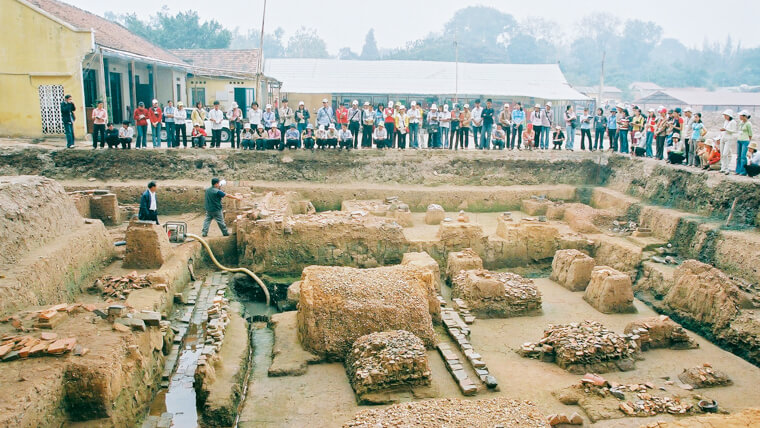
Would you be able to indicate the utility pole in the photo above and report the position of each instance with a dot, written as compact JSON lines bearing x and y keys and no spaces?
{"x":260,"y":65}
{"x":601,"y":82}
{"x":456,"y":70}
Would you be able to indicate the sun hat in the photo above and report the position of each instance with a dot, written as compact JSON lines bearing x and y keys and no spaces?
{"x":260,"y":127}
{"x":300,"y":103}
{"x":728,"y":112}
{"x":310,"y":126}
{"x":332,"y":126}
{"x":548,"y":103}
{"x":269,"y":106}
{"x":245,"y":125}
{"x":466,"y":106}
{"x":355,"y":103}
{"x":538,"y":106}
{"x":324,"y":100}
{"x":650,"y":110}
{"x":321,"y":127}
{"x":402,"y":107}
{"x":413,"y":103}
{"x":744,"y":113}
{"x":155,"y":101}
{"x":676,"y":135}
{"x":752,"y":145}
{"x":687,"y":109}
{"x":179,"y":104}
{"x":390,"y":103}
{"x":434,"y":107}
{"x":366,"y":103}
{"x":613,"y":109}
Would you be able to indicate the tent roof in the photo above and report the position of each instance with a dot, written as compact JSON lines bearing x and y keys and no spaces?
{"x":313,"y":76}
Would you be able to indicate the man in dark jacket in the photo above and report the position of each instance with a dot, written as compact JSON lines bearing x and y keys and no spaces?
{"x":67,"y":117}
{"x":148,"y":204}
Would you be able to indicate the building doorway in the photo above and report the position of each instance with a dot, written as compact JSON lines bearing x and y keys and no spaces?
{"x":116,"y":100}
{"x":244,"y":97}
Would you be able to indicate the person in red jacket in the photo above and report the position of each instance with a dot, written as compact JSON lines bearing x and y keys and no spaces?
{"x":342,"y":115}
{"x":390,"y":124}
{"x":156,"y":117}
{"x":141,"y":123}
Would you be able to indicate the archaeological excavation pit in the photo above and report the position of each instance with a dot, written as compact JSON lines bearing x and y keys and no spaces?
{"x":621,"y":293}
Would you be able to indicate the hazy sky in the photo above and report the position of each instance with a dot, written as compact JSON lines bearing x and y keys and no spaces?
{"x":345,"y":23}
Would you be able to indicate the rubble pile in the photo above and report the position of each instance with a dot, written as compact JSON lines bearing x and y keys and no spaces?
{"x":704,"y":377}
{"x":337,"y":305}
{"x":390,"y":207}
{"x":583,"y":347}
{"x":217,"y":318}
{"x":119,"y":287}
{"x":384,"y":360}
{"x":452,"y":412}
{"x":624,"y":227}
{"x":660,"y":332}
{"x":496,"y":294}
{"x":13,"y":347}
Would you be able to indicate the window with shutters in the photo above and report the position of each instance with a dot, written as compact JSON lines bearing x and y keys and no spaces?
{"x":51,"y":97}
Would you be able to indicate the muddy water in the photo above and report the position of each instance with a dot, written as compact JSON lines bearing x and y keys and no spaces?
{"x":323,"y":397}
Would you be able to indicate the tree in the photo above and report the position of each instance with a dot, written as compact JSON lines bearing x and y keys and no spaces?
{"x":638,"y":40}
{"x":273,"y":45}
{"x":305,"y":43}
{"x":369,"y":50}
{"x":181,"y":31}
{"x":347,"y":53}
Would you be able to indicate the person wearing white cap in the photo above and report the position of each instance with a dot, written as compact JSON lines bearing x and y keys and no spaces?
{"x":332,"y":136}
{"x":302,"y":117}
{"x":434,"y":128}
{"x":745,"y":135}
{"x":535,"y":120}
{"x":269,"y":118}
{"x":321,"y":137}
{"x":155,"y":115}
{"x":169,"y":111}
{"x":307,"y":137}
{"x":729,"y":132}
{"x":246,"y":137}
{"x":415,"y":118}
{"x":368,"y":124}
{"x":444,"y":117}
{"x":402,"y":126}
{"x":180,"y":124}
{"x":547,"y":122}
{"x":235,"y":118}
{"x":355,"y":122}
{"x":325,"y":114}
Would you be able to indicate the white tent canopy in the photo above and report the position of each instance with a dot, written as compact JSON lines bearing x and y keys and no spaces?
{"x":330,"y":76}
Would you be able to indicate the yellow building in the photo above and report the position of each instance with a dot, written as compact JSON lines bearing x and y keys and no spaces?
{"x":51,"y":49}
{"x":227,"y":75}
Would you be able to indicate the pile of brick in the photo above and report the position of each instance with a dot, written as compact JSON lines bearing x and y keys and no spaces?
{"x":451,"y":412}
{"x":582,"y":347}
{"x":384,"y":360}
{"x":119,"y":287}
{"x":704,"y":377}
{"x":125,"y":319}
{"x":13,"y":347}
{"x":496,"y":294}
{"x":217,"y":316}
{"x":660,"y":332}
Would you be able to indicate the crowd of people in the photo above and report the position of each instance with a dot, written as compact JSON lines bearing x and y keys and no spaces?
{"x":676,"y":136}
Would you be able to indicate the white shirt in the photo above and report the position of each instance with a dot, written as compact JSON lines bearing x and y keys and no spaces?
{"x":755,"y":159}
{"x":731,"y":129}
{"x":180,"y":115}
{"x":254,"y":116}
{"x":444,"y":118}
{"x":477,"y":116}
{"x":126,"y":132}
{"x":216,"y":117}
{"x":414,"y":115}
{"x":152,"y":200}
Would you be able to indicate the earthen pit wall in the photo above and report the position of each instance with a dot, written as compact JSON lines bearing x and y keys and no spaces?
{"x":182,"y":198}
{"x":59,"y":272}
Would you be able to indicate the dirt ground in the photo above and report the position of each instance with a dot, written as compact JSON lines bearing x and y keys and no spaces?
{"x":323,"y":397}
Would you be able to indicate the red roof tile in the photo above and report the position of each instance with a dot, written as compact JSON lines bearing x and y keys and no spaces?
{"x":236,"y":60}
{"x":107,"y":33}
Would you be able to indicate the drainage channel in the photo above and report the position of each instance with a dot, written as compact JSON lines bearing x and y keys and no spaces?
{"x":175,"y":404}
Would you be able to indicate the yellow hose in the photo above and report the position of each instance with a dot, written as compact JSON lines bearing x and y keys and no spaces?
{"x":219,"y":265}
